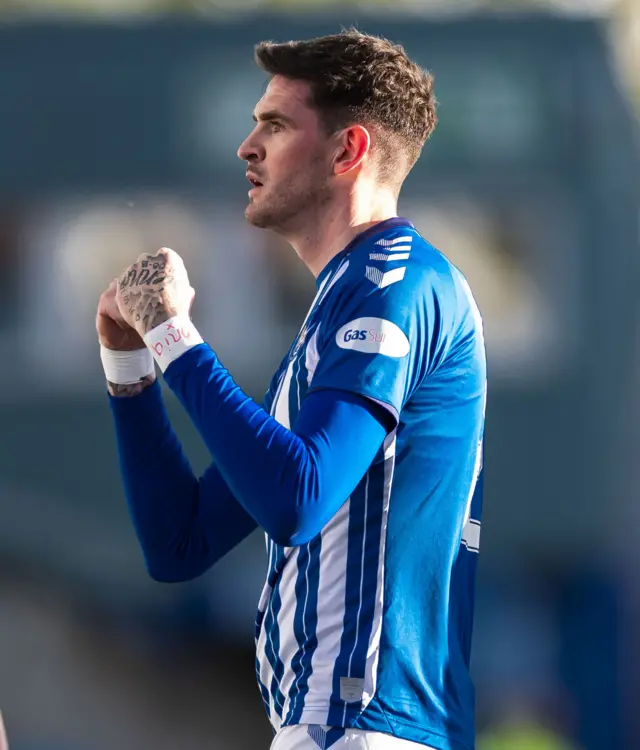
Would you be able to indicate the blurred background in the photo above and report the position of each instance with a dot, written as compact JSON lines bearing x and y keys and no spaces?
{"x":119,"y":124}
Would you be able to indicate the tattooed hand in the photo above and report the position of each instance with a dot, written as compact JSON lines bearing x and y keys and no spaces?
{"x":113,"y":331}
{"x":154,"y":289}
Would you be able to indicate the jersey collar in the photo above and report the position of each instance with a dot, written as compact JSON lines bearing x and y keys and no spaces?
{"x":383,"y":226}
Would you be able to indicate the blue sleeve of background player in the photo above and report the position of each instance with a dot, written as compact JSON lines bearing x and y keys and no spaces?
{"x":289,"y":482}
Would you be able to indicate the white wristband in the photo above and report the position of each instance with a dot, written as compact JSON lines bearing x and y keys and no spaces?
{"x":171,"y":339}
{"x":126,"y":368}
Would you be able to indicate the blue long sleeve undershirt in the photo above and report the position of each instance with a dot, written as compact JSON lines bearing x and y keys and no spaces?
{"x":289,"y":482}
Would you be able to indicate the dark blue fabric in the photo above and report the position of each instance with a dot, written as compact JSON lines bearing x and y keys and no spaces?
{"x":289,"y":482}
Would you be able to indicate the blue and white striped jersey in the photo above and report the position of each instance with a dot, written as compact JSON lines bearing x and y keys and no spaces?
{"x":369,"y":624}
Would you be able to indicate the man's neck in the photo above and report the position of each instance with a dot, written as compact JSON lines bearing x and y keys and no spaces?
{"x":329,"y":233}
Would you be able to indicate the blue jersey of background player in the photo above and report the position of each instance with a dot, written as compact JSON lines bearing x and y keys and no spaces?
{"x":366,"y":456}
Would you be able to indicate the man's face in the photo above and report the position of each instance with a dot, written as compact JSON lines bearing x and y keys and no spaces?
{"x":288,"y":158}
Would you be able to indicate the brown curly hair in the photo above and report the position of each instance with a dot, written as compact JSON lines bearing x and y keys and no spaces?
{"x":357,"y":78}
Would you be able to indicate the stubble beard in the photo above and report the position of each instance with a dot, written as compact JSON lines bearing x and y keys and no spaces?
{"x":288,"y":208}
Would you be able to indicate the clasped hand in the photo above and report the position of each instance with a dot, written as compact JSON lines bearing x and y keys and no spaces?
{"x":150,"y":291}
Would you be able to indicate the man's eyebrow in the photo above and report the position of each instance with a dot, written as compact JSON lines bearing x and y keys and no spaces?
{"x":271,"y":114}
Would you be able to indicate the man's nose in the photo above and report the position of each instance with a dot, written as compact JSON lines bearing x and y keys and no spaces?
{"x":250,"y":150}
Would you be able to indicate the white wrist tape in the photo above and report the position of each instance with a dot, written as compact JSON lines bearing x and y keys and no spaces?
{"x":171,"y":339}
{"x":125,"y":368}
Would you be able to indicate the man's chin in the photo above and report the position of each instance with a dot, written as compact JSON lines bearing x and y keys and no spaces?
{"x":257,"y":218}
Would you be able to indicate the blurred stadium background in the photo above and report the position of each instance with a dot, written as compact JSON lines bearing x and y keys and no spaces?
{"x":119,"y":123}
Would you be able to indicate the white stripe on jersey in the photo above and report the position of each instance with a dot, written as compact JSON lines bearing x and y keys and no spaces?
{"x":471,"y":535}
{"x":471,"y":527}
{"x":281,"y":402}
{"x":331,"y":609}
{"x":476,"y":474}
{"x":373,"y":652}
{"x":311,"y":355}
{"x":288,"y":676}
{"x":399,"y":249}
{"x":285,"y":623}
{"x":389,"y":258}
{"x":362,"y":569}
{"x":266,"y":672}
{"x":396,"y":241}
{"x":385,"y":279}
{"x":338,"y":274}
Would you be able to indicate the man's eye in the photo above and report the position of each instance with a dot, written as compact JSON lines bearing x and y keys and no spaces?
{"x":276,"y":126}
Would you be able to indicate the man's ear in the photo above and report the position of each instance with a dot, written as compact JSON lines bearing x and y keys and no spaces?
{"x":353,"y":147}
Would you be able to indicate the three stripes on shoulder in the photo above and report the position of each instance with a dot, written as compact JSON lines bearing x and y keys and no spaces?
{"x":390,"y":252}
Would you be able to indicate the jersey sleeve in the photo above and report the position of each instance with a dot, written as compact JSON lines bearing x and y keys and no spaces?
{"x":376,"y":340}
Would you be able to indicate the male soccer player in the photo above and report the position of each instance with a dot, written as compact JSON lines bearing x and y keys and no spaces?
{"x":363,"y":466}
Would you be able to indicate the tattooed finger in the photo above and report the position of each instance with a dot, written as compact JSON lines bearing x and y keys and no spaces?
{"x":146,"y":273}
